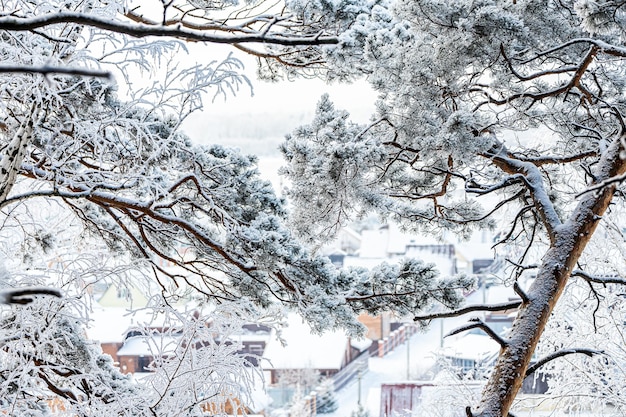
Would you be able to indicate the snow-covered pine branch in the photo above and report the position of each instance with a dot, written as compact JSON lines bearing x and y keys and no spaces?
{"x":141,"y":30}
{"x":515,"y":105}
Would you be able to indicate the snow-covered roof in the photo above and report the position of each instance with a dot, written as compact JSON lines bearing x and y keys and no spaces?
{"x":361,"y":344}
{"x":374,"y":243}
{"x":148,"y":346}
{"x":471,"y":346}
{"x":475,"y":250}
{"x":305,"y":350}
{"x":250,"y":337}
{"x":110,"y":324}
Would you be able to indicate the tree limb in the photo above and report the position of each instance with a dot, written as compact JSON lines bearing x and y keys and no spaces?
{"x":25,"y":295}
{"x":46,"y":70}
{"x":599,"y":279}
{"x":139,"y":30}
{"x":519,"y":291}
{"x":534,"y":182}
{"x":469,"y":309}
{"x":476,"y":323}
{"x":560,"y":353}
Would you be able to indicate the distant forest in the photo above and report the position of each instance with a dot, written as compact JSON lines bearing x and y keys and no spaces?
{"x":253,"y":133}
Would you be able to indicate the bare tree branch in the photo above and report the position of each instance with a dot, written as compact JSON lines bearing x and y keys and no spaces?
{"x":560,"y":353}
{"x":596,"y":279}
{"x":469,"y":309}
{"x":519,"y":291}
{"x":476,"y":323}
{"x":46,"y":70}
{"x":25,"y":295}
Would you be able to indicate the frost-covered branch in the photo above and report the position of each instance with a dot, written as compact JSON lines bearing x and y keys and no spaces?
{"x":546,"y":160}
{"x":535,"y":183}
{"x":473,"y":187}
{"x":599,"y":279}
{"x":608,"y":182}
{"x":26,"y":295}
{"x":511,"y":305}
{"x":558,"y":354}
{"x":479,"y":324}
{"x":140,"y":30}
{"x":47,"y":70}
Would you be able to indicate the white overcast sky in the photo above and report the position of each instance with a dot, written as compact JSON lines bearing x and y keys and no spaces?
{"x":273,"y":109}
{"x":257,"y":121}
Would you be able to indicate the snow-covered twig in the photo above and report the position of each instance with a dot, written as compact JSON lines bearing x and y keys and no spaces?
{"x":46,"y":70}
{"x":25,"y":295}
{"x":597,"y":279}
{"x":560,"y":353}
{"x":469,"y":309}
{"x":476,"y":323}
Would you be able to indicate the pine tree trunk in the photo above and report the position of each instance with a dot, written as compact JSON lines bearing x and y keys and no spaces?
{"x":568,"y":242}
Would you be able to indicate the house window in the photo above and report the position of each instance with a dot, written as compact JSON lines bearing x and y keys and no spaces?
{"x":123,"y":293}
{"x":143,"y":363}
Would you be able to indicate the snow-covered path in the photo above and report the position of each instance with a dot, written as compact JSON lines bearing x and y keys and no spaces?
{"x":393,"y":367}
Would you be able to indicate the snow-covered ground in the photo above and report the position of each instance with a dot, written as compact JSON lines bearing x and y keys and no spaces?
{"x":419,"y":358}
{"x":392,"y":368}
{"x":422,"y":348}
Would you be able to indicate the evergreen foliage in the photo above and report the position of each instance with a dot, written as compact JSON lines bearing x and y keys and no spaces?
{"x":490,"y":114}
{"x":98,"y":186}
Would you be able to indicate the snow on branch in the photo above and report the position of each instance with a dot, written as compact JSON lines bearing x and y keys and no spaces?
{"x":610,"y":181}
{"x":25,"y":295}
{"x":535,"y":184}
{"x":47,"y":70}
{"x":599,"y":279}
{"x":560,"y":353}
{"x":470,"y":309}
{"x":476,"y":323}
{"x":519,"y":291}
{"x":139,"y":30}
{"x":473,"y":187}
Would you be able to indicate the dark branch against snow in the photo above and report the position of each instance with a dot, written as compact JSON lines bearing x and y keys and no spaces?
{"x":47,"y":70}
{"x":25,"y":295}
{"x":558,"y":354}
{"x":476,"y":323}
{"x":599,"y":279}
{"x":511,"y":305}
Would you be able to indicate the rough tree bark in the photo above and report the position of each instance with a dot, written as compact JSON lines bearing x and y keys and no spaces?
{"x":567,"y":242}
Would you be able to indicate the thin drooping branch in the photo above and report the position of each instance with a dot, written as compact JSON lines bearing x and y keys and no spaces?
{"x":511,"y":305}
{"x":530,"y":77}
{"x":558,"y":354}
{"x":476,"y":323}
{"x":139,"y":30}
{"x":608,"y":182}
{"x":605,"y":47}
